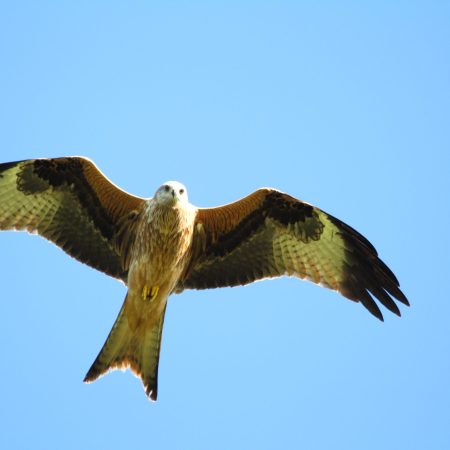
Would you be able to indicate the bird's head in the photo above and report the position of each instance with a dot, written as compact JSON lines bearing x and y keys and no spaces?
{"x":170,"y":193}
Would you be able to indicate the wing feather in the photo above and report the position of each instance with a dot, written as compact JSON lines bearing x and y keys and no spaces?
{"x":71,"y":203}
{"x":270,"y":234}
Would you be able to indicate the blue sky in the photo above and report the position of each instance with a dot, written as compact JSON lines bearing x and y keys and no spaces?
{"x":342,"y":104}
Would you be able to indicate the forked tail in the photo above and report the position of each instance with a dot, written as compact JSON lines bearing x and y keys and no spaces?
{"x":136,"y":348}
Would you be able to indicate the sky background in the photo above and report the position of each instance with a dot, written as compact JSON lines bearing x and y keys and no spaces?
{"x":343,"y":104}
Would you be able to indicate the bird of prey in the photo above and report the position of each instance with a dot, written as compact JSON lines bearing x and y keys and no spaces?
{"x":162,"y":245}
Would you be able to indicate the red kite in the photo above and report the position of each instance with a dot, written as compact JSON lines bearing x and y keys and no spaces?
{"x":163,"y":245}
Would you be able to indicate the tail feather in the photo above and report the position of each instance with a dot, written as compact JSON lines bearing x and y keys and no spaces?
{"x":137,"y":349}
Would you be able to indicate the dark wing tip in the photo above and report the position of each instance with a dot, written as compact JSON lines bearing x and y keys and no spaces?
{"x":399,"y":295}
{"x":366,"y":276}
{"x":365,"y":286}
{"x":371,"y":306}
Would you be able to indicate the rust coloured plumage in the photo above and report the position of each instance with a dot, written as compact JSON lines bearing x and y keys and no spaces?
{"x":156,"y":263}
{"x":162,"y":245}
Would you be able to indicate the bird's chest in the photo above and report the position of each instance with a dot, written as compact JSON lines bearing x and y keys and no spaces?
{"x":165,"y":249}
{"x":162,"y":247}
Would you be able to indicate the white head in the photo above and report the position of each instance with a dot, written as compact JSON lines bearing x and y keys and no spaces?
{"x":170,"y":193}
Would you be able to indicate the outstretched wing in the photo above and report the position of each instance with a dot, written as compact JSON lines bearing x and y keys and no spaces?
{"x":270,"y":234}
{"x":71,"y":203}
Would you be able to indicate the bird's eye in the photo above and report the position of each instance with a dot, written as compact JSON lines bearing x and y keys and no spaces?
{"x":181,"y":191}
{"x":166,"y":188}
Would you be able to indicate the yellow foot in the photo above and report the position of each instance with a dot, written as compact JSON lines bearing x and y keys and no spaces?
{"x":149,"y":293}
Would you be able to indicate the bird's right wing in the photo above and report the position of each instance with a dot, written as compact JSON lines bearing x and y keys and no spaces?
{"x":71,"y":203}
{"x":269,"y":234}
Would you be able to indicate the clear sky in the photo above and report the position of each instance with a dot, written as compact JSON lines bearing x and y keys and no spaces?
{"x":342,"y":104}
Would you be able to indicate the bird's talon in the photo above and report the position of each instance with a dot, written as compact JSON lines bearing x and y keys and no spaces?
{"x":149,"y":293}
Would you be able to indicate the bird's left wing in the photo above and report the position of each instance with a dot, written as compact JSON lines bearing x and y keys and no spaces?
{"x":269,"y":234}
{"x":71,"y":203}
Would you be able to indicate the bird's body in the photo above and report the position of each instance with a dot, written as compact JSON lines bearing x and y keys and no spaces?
{"x":154,"y":271}
{"x":163,"y":245}
{"x":160,"y":259}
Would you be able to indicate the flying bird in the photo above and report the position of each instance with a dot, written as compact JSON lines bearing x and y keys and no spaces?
{"x":162,"y":245}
